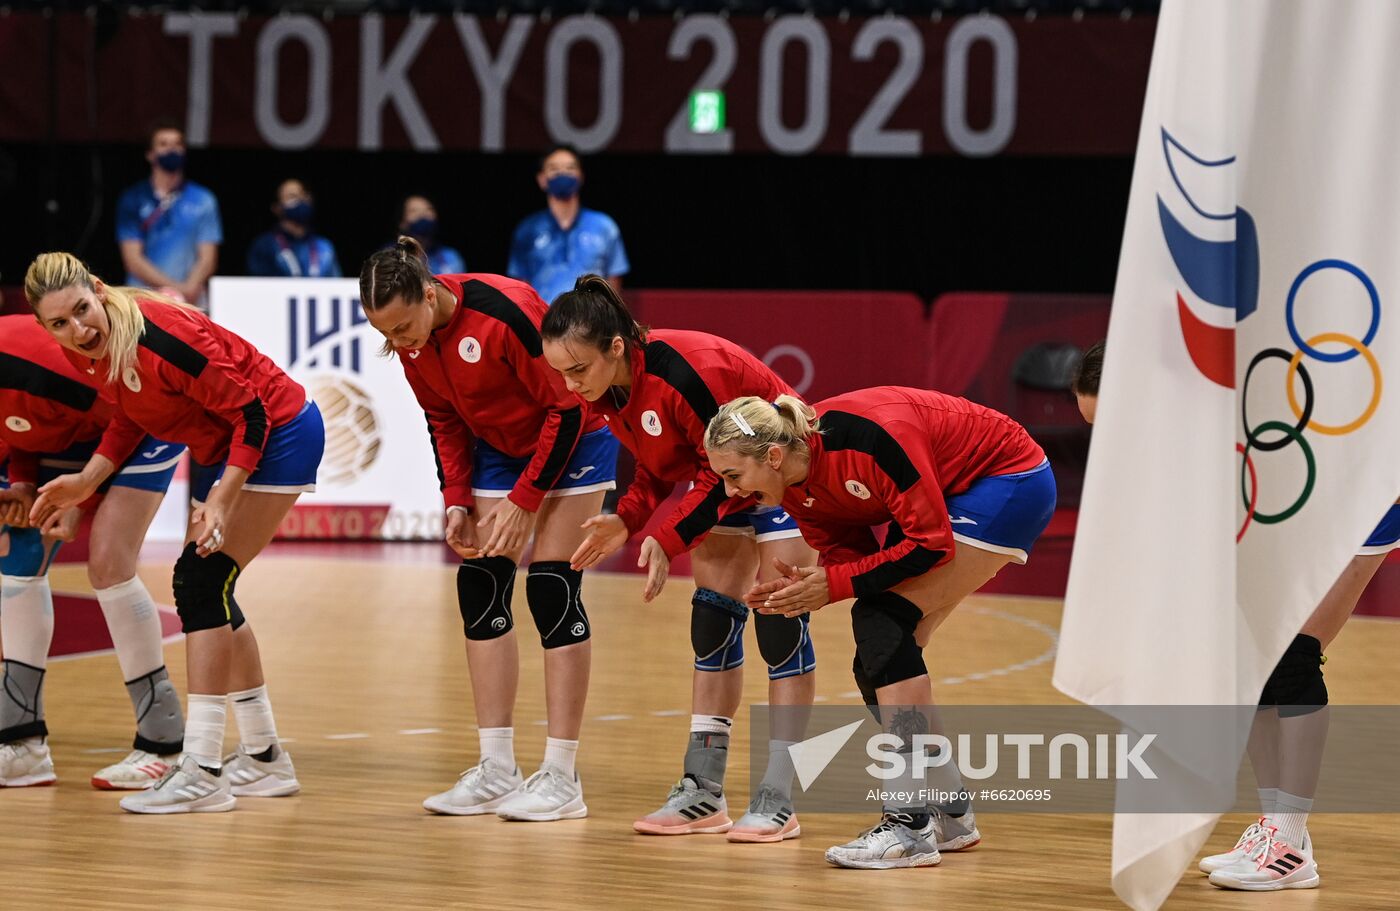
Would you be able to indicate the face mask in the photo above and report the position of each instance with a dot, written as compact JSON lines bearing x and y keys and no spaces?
{"x":174,"y":162}
{"x":562,"y":186}
{"x":299,"y":213}
{"x":425,"y":229}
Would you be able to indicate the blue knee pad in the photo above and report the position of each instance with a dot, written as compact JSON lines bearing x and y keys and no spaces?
{"x":786,"y":644}
{"x":28,"y":556}
{"x":717,"y":630}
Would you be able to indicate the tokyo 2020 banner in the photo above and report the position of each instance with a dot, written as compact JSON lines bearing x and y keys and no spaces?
{"x":791,"y":85}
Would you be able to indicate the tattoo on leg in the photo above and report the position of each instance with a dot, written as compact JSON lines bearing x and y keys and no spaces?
{"x":906,"y":723}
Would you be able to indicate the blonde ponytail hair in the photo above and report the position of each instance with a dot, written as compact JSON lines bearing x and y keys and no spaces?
{"x":751,"y":424}
{"x":52,"y":272}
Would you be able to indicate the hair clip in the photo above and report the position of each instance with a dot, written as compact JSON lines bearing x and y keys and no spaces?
{"x":742,"y":424}
{"x":776,"y":407}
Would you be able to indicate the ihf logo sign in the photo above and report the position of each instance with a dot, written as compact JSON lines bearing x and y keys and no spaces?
{"x":324,"y":337}
{"x":324,"y":334}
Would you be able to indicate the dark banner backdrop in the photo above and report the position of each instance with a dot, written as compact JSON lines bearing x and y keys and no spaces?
{"x":794,"y":85}
{"x":964,"y":154}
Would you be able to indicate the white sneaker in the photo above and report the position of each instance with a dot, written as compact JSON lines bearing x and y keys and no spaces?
{"x":889,"y":844}
{"x":689,"y":810}
{"x":547,"y":795}
{"x":186,"y":788}
{"x":480,"y":790}
{"x":771,"y":817}
{"x":137,"y":772}
{"x":1248,"y":844}
{"x":1274,"y":865}
{"x":251,"y":777}
{"x":954,"y":833}
{"x":26,"y":763}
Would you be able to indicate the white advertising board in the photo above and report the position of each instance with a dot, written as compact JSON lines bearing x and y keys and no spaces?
{"x":378,"y":478}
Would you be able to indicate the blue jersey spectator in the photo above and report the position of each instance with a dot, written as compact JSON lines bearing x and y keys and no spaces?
{"x":556,"y":245}
{"x":168,"y":227}
{"x":419,"y":219}
{"x":292,"y":249}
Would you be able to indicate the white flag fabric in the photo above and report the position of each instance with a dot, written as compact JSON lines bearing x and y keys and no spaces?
{"x":1246,"y":441}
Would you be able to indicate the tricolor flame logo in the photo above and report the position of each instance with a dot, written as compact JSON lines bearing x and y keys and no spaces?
{"x":1215,"y":247}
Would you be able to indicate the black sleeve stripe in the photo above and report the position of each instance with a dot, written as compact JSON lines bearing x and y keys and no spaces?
{"x":666,"y":364}
{"x":171,"y":349}
{"x":26,"y":376}
{"x":483,"y":298}
{"x":844,"y":431}
{"x":887,"y":575}
{"x":703,"y":517}
{"x":437,"y":459}
{"x":570,"y":425}
{"x":255,"y":420}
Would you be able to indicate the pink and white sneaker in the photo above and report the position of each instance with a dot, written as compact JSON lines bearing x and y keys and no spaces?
{"x":137,"y":772}
{"x":689,"y":810}
{"x":1251,"y":839}
{"x":1277,"y":865}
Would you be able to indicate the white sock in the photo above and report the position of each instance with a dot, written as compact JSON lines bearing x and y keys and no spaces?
{"x":498,"y":745}
{"x":780,"y":771}
{"x":1267,"y":798}
{"x":710,"y":724}
{"x":560,"y":754}
{"x":204,"y":729}
{"x":135,"y":627}
{"x":1291,"y":817}
{"x":252,"y":710}
{"x":26,"y":619}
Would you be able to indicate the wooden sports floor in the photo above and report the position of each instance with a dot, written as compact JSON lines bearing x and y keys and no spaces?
{"x":367,"y":675}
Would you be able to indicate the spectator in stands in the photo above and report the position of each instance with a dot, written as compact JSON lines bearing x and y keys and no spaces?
{"x":168,"y":227}
{"x":419,"y":220}
{"x":291,"y":249}
{"x":557,"y":244}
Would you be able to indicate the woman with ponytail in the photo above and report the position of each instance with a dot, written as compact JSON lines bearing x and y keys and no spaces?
{"x":963,"y":489}
{"x":178,"y":376}
{"x":657,"y":390}
{"x":516,"y":455}
{"x":54,"y":418}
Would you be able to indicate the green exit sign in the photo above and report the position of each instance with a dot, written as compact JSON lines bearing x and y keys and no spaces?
{"x":706,"y":112}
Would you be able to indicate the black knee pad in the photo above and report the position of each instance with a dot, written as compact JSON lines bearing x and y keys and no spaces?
{"x":235,"y":613}
{"x":717,"y":630}
{"x":867,"y":689}
{"x":555,"y":595}
{"x":1296,"y":685}
{"x":484,"y":588}
{"x":883,"y":624}
{"x":204,"y":589}
{"x":786,"y":645}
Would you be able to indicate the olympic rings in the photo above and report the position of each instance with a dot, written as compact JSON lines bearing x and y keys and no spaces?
{"x":1356,"y":348}
{"x":1304,"y":416}
{"x":1370,"y":290}
{"x":1249,"y":478}
{"x":1249,"y":503}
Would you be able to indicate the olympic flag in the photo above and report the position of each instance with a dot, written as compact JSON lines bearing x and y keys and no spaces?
{"x":1246,"y":441}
